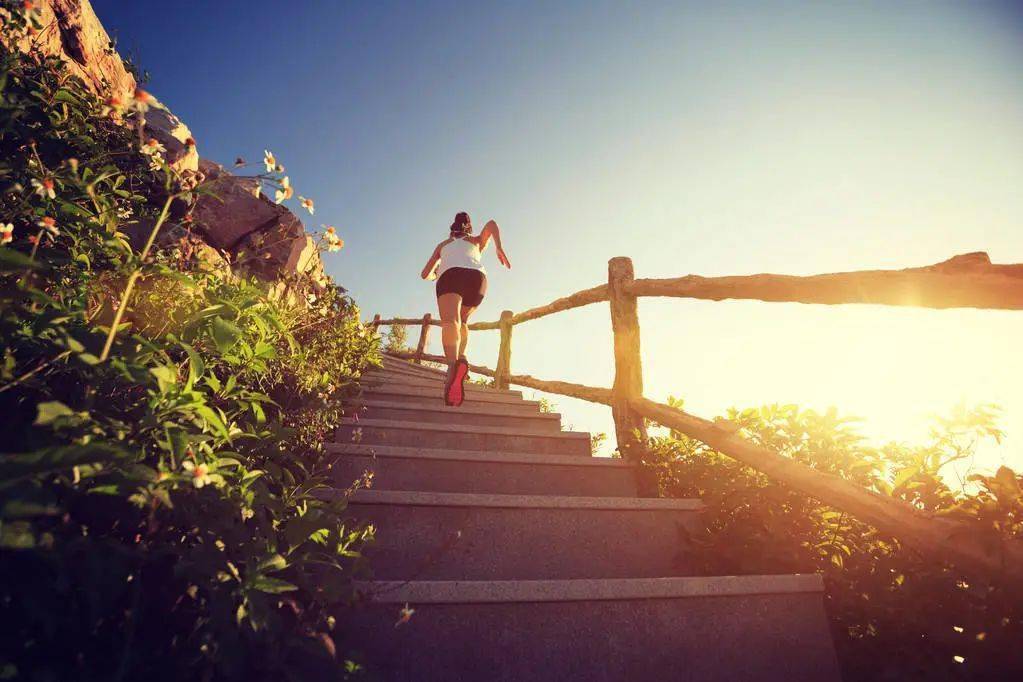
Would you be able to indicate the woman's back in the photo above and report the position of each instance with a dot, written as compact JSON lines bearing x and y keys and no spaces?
{"x":460,"y":252}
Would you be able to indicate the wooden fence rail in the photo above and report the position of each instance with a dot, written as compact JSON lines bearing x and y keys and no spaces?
{"x":970,"y":280}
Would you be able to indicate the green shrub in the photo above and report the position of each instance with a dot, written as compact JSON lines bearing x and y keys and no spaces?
{"x":895,"y":615}
{"x":166,"y":506}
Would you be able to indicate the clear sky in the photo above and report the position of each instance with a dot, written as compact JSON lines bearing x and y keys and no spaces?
{"x":708,"y":138}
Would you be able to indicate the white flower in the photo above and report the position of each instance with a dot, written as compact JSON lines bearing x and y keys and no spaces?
{"x":334,"y":243}
{"x":285,"y":192}
{"x":405,"y":615}
{"x":152,"y":147}
{"x":155,"y":163}
{"x":141,"y":101}
{"x":48,"y":224}
{"x":6,"y":233}
{"x":44,"y":188}
{"x":307,"y":204}
{"x":200,"y":472}
{"x":269,"y":161}
{"x":29,"y":10}
{"x":113,"y":105}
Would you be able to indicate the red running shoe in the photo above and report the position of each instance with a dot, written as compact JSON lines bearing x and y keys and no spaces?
{"x":454,"y":391}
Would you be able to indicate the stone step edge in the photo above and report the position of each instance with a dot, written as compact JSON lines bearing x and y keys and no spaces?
{"x":431,"y":393}
{"x":373,"y":379}
{"x":464,"y":409}
{"x":408,"y":452}
{"x":415,"y":498}
{"x":462,"y":428}
{"x":409,"y":367}
{"x":605,"y":589}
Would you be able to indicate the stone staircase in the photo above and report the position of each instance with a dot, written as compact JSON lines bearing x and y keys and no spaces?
{"x":525,"y":558}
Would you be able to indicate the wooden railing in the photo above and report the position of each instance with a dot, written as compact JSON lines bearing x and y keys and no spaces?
{"x":964,"y":281}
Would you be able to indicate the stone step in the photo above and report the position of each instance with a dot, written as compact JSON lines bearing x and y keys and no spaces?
{"x":411,"y":373}
{"x":377,"y":378}
{"x":425,"y":370}
{"x":695,"y":629}
{"x":465,"y":471}
{"x":461,"y":437}
{"x":420,"y":371}
{"x":416,"y":394}
{"x":462,"y":536}
{"x":478,"y":414}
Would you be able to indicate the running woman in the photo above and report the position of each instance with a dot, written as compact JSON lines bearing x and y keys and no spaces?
{"x":461,"y":286}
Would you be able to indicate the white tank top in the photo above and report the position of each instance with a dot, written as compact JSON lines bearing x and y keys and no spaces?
{"x":460,"y":253}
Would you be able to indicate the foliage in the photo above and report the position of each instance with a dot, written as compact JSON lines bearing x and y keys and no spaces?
{"x":546,"y":406}
{"x":397,"y":339}
{"x":166,"y":508}
{"x":895,"y":615}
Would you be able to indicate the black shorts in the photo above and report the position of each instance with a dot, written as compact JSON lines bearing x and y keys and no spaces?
{"x":470,"y":284}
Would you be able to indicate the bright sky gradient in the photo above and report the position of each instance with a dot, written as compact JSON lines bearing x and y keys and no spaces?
{"x":708,"y":138}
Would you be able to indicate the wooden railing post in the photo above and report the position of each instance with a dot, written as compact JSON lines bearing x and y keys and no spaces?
{"x":424,"y":333}
{"x":630,"y":429}
{"x":375,"y":323}
{"x":503,"y":369}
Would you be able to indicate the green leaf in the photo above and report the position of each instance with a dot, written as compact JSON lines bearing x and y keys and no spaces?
{"x":166,"y":376}
{"x":225,"y":334}
{"x":275,"y":562}
{"x":196,"y":366}
{"x":213,"y":420}
{"x":49,"y":411}
{"x":272,"y":585}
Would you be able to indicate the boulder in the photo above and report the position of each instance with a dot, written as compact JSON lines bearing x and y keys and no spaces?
{"x":72,"y":31}
{"x":172,"y":133}
{"x":262,"y":237}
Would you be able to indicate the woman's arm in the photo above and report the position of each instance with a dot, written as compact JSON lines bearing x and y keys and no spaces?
{"x":492,"y":230}
{"x":432,"y":263}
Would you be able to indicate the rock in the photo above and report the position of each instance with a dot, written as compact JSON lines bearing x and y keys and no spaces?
{"x":172,"y":133}
{"x":235,"y":213}
{"x":180,"y":242}
{"x":263,"y":237}
{"x":72,"y":31}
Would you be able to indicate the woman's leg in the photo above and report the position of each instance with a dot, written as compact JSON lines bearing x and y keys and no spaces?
{"x":450,"y":307}
{"x":464,"y":329}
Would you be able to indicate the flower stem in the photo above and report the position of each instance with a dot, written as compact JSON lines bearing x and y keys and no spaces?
{"x":130,"y":286}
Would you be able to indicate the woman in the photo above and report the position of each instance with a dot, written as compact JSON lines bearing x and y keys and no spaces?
{"x":461,"y":285}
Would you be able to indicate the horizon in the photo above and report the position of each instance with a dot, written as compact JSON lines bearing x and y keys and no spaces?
{"x":788,"y":137}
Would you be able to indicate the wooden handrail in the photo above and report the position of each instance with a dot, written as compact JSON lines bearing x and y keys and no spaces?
{"x":580,"y":298}
{"x":968,"y":281}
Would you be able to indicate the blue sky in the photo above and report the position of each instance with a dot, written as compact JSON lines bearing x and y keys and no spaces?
{"x":712,"y":138}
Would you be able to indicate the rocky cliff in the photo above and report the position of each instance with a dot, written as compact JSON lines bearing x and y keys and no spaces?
{"x":238,"y":228}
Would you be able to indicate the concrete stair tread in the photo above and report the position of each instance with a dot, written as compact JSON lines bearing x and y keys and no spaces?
{"x":502,"y":501}
{"x":376,"y":379}
{"x":584,"y":589}
{"x":430,"y":391}
{"x":466,"y":408}
{"x":476,"y":455}
{"x":461,"y":428}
